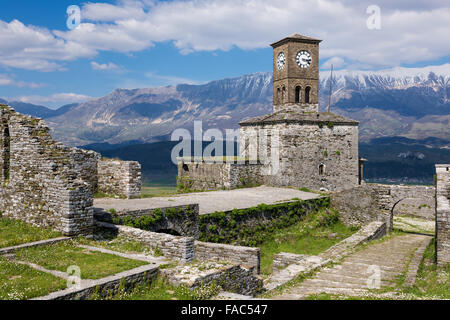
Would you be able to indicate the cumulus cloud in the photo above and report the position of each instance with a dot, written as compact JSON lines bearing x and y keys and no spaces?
{"x":54,"y":99}
{"x":34,"y":48}
{"x":410,"y":31}
{"x":104,"y":66}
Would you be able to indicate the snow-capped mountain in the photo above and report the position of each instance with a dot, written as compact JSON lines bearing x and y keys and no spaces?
{"x":409,"y":102}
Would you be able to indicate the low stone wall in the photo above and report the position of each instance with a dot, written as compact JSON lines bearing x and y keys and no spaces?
{"x":205,"y":251}
{"x":443,"y":214}
{"x":108,"y":286}
{"x":181,"y":219}
{"x":233,"y":278}
{"x":174,"y":247}
{"x":377,"y":202}
{"x":249,"y":226}
{"x":119,"y":177}
{"x":212,"y":176}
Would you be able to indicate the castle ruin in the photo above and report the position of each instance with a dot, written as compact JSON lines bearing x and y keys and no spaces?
{"x":48,"y":184}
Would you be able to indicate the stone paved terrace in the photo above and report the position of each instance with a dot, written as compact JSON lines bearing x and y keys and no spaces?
{"x":211,"y":201}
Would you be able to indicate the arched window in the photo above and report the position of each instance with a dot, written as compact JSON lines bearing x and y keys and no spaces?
{"x":321,"y":169}
{"x":307,"y":94}
{"x":277,"y":99}
{"x":298,"y":94}
{"x":284,"y":94}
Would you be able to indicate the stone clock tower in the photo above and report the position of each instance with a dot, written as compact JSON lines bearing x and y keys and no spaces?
{"x":296,"y":74}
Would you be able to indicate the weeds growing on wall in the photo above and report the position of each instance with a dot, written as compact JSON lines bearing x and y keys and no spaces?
{"x":250,"y":226}
{"x":153,"y":220}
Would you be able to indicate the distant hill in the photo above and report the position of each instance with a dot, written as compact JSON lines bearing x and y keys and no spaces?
{"x":37,"y":110}
{"x":394,"y":159}
{"x":409,"y":102}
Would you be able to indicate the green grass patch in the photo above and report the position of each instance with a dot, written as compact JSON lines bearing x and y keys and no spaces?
{"x":314,"y":234}
{"x":93,"y":264}
{"x":15,"y":232}
{"x":431,"y":282}
{"x":162,"y":290}
{"x":251,"y":226}
{"x":158,"y":191}
{"x":109,"y":240}
{"x":20,"y":282}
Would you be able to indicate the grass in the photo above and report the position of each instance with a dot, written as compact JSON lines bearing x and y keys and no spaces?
{"x":430,"y":282}
{"x":310,"y":236}
{"x":160,"y":289}
{"x":15,"y":232}
{"x":158,"y":191}
{"x":20,"y":282}
{"x":93,"y":264}
{"x":109,"y":240}
{"x":414,"y":224}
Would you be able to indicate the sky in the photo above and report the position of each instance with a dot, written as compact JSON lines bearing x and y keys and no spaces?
{"x":50,"y":57}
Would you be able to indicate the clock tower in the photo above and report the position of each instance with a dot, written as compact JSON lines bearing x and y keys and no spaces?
{"x":296,"y":74}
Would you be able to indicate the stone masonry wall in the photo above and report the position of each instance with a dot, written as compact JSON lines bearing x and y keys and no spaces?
{"x":377,"y":202}
{"x":302,"y":150}
{"x":174,"y":247}
{"x":44,"y":182}
{"x":443,"y":214}
{"x":118,"y":177}
{"x":213,"y":176}
{"x":249,"y":256}
{"x":181,"y":219}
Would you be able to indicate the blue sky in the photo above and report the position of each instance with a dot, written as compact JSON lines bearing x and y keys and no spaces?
{"x":147,"y":43}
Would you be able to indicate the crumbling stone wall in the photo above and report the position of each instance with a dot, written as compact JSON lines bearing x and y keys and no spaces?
{"x":443,"y":214}
{"x":249,"y":256}
{"x":377,"y":202}
{"x":119,"y":177}
{"x":174,"y":247}
{"x":44,"y":182}
{"x":212,"y":176}
{"x":181,"y":220}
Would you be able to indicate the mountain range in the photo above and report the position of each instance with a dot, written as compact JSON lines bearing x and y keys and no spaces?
{"x":407,"y":102}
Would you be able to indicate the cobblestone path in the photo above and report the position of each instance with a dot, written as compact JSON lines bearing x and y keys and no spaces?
{"x":359,"y":272}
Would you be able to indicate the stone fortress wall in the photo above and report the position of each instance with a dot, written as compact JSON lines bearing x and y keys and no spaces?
{"x":377,"y":202}
{"x":44,"y":182}
{"x":442,"y":214}
{"x":213,"y":176}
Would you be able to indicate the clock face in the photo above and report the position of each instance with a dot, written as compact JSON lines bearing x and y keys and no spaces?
{"x":281,"y":61}
{"x":303,"y":59}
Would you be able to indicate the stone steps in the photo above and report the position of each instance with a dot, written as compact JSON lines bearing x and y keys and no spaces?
{"x":350,"y":277}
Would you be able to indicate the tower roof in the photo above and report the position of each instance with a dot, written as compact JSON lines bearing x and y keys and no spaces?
{"x":295,"y":38}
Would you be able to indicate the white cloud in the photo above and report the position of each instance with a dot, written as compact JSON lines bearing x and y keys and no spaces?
{"x":410,"y":31}
{"x":6,"y":80}
{"x":104,"y":66}
{"x":54,"y":99}
{"x":34,"y":48}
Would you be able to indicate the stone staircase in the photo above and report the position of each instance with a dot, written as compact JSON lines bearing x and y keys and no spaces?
{"x":377,"y":265}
